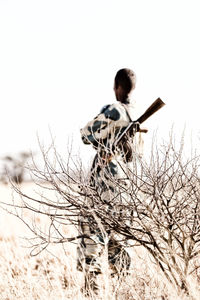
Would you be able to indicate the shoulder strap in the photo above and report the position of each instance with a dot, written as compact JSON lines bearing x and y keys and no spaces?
{"x":124,"y":105}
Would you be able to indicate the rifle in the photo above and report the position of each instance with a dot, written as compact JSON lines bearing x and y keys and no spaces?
{"x":133,"y":126}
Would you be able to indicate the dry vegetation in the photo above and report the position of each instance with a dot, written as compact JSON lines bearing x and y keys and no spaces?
{"x":53,"y":274}
{"x":164,"y":231}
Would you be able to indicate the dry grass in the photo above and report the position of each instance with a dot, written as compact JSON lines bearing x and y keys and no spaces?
{"x":53,"y":274}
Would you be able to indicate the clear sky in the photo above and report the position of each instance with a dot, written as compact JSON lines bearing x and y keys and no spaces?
{"x":58,"y":59}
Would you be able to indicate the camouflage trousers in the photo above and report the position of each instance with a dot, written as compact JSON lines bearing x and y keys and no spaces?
{"x":91,"y":251}
{"x":97,"y":240}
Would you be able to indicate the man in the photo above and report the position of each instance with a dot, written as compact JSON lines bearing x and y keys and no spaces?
{"x":101,"y":132}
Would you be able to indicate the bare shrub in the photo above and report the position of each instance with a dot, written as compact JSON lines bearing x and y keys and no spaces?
{"x":156,"y":206}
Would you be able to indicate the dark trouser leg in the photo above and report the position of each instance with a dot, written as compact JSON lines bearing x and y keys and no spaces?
{"x":118,"y":257}
{"x":91,"y":282}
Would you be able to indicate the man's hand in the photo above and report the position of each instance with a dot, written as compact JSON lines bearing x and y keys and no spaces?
{"x":137,"y":128}
{"x":144,"y":130}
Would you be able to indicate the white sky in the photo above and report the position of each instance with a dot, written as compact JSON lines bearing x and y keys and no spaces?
{"x":58,"y":60}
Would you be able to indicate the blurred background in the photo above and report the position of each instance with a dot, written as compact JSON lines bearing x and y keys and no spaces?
{"x":58,"y":60}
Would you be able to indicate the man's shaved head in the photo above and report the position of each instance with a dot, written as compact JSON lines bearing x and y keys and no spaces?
{"x":125,"y":78}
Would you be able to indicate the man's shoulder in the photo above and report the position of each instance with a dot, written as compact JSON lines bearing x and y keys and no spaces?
{"x":112,"y":111}
{"x":116,"y":105}
{"x":104,"y":108}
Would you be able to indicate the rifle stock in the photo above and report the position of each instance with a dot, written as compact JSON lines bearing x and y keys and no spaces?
{"x":154,"y":107}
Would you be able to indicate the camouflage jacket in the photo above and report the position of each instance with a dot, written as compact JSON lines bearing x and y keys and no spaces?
{"x":104,"y":129}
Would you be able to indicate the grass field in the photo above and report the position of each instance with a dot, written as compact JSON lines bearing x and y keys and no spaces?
{"x":52,"y":274}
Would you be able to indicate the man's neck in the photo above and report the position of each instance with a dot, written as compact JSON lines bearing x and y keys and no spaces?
{"x":123,"y":99}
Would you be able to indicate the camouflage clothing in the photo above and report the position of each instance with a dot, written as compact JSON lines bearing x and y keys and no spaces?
{"x":101,"y":132}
